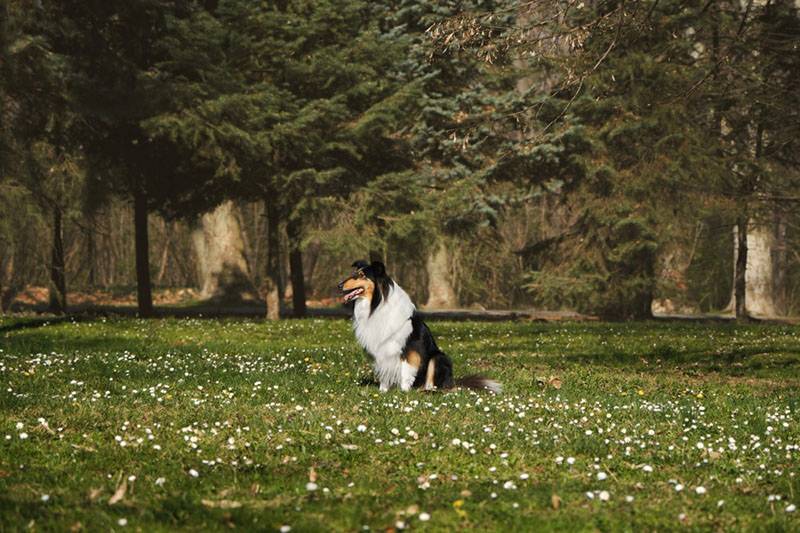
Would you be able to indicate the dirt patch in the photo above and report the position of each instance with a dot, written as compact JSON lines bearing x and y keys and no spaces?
{"x":35,"y":296}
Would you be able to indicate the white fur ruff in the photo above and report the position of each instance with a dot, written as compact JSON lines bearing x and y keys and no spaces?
{"x":383,"y":335}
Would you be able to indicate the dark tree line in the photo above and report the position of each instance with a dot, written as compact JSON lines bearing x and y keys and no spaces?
{"x":648,"y":112}
{"x":619,"y":127}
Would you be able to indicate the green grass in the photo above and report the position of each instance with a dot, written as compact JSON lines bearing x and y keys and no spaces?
{"x":256,"y":410}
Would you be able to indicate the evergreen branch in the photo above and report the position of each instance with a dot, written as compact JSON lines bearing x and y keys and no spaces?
{"x":566,"y":107}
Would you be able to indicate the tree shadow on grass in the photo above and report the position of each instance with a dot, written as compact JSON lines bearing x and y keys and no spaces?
{"x":45,"y":340}
{"x":733,"y":361}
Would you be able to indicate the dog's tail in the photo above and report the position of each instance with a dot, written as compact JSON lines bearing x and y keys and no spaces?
{"x":480,"y":383}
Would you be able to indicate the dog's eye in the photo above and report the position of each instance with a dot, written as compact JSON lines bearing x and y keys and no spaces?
{"x":361,"y":274}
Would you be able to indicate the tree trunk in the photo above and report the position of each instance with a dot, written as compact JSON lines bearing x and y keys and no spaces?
{"x":294,"y":233}
{"x":162,"y":268}
{"x":8,"y":290}
{"x":441,"y":294}
{"x":58,"y":283}
{"x":780,"y":266}
{"x":310,"y":259}
{"x":221,"y":263}
{"x":760,"y":292}
{"x":739,"y":276}
{"x":273,"y":278}
{"x":673,"y":264}
{"x":643,"y":303}
{"x":144,"y":295}
{"x":643,"y":306}
{"x":743,"y":269}
{"x":91,"y":252}
{"x":731,"y":307}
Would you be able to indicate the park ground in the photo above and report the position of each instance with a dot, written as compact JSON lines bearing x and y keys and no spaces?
{"x":124,"y":424}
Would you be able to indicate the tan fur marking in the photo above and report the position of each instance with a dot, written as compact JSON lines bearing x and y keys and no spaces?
{"x":360,"y":283}
{"x":413,"y":358}
{"x":368,"y":290}
{"x":429,"y":376}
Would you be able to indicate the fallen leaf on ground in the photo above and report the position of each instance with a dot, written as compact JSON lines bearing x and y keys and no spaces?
{"x":552,"y":381}
{"x":555,"y":501}
{"x":120,"y":492}
{"x":222,"y":504}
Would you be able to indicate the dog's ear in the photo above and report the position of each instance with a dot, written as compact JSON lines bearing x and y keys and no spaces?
{"x":358,"y":265}
{"x":378,"y":268}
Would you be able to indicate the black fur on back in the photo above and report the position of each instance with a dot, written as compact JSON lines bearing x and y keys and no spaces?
{"x":421,"y":341}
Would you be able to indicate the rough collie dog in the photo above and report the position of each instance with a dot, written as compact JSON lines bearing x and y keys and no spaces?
{"x":401,"y":346}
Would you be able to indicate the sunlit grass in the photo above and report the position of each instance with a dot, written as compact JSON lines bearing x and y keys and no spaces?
{"x":210,"y":424}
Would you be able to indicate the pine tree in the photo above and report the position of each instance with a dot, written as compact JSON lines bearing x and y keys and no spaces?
{"x":440,"y":196}
{"x":284,"y":102}
{"x":111,"y":49}
{"x":636,"y":151}
{"x":618,"y":138}
{"x":42,"y":157}
{"x":754,"y":61}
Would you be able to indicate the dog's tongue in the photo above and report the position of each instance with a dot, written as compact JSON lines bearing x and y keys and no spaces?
{"x":350,"y":295}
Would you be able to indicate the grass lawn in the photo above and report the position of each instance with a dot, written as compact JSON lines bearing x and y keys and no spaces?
{"x":200,"y":424}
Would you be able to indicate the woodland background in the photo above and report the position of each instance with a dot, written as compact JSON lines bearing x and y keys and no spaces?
{"x":611,"y":157}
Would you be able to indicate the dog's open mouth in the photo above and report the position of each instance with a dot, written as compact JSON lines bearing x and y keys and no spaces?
{"x":353,"y":294}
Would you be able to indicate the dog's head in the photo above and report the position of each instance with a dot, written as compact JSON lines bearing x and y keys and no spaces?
{"x":368,"y":281}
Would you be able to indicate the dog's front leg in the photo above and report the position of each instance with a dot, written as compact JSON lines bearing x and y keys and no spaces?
{"x":407,"y":374}
{"x":385,"y":385}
